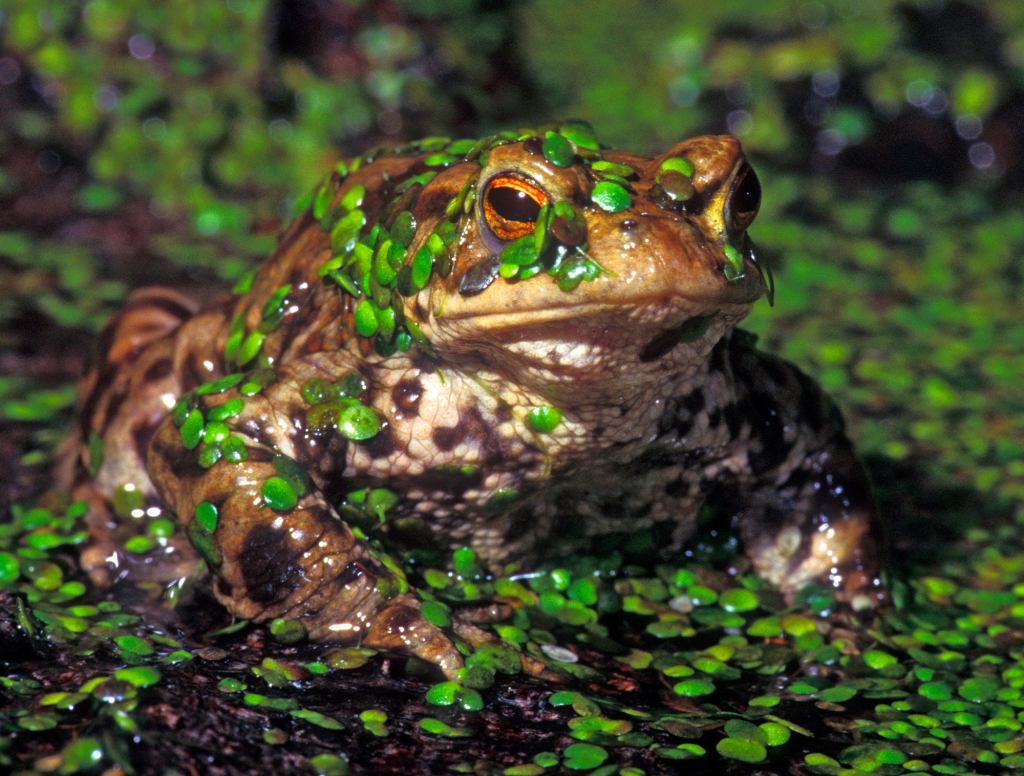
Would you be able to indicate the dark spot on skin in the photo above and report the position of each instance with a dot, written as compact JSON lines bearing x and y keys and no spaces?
{"x":142,"y":435}
{"x":478,"y":277}
{"x":484,"y":430}
{"x":406,"y":397}
{"x":433,"y":200}
{"x":254,"y":429}
{"x":183,"y":466}
{"x":105,"y":374}
{"x":658,"y":457}
{"x":171,"y":306}
{"x":503,"y":412}
{"x":351,"y":573}
{"x":401,"y":619}
{"x":673,"y":422}
{"x":327,"y":454}
{"x":268,"y":565}
{"x":382,"y":445}
{"x":260,"y":455}
{"x":471,"y":427}
{"x":114,"y":402}
{"x":421,"y":360}
{"x":446,"y":437}
{"x":628,"y":225}
{"x":659,"y":345}
{"x":662,"y":343}
{"x":769,"y":448}
{"x":694,"y":402}
{"x":158,"y":370}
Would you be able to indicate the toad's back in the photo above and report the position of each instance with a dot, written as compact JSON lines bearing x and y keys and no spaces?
{"x":514,"y":343}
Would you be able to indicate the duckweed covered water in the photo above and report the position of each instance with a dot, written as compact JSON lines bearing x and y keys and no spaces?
{"x":687,"y":662}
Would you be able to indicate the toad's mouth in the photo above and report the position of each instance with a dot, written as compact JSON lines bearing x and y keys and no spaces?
{"x":647,"y":314}
{"x":626,"y":292}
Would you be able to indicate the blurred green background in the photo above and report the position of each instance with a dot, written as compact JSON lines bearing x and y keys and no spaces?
{"x":166,"y":142}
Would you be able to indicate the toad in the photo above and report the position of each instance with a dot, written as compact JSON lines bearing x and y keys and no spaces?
{"x":514,"y":344}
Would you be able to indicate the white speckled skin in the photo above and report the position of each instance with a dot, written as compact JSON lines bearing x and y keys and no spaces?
{"x":661,"y":404}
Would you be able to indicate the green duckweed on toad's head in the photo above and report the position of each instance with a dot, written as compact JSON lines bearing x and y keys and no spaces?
{"x":576,"y":261}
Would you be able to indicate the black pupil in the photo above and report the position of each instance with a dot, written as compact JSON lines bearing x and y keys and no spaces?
{"x":512,"y":204}
{"x":746,"y":196}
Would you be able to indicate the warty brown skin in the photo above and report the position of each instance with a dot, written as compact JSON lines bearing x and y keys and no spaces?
{"x":661,"y":403}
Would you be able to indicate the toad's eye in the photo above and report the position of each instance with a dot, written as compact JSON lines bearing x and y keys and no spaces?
{"x":744,"y":199}
{"x":511,"y":205}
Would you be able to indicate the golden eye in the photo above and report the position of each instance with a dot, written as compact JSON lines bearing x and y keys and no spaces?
{"x":511,"y":206}
{"x":744,"y":199}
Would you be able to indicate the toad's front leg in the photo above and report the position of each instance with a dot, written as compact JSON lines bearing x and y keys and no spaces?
{"x":819,"y":522}
{"x":811,"y":514}
{"x":279,"y":550}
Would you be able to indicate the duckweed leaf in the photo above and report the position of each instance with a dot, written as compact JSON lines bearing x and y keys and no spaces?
{"x":583,"y":757}
{"x":743,"y":749}
{"x":139,"y":676}
{"x":610,"y":197}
